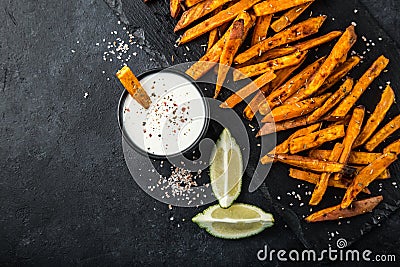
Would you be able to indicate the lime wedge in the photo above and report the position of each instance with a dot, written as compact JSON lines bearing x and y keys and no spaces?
{"x":237,"y":221}
{"x":226,"y":169}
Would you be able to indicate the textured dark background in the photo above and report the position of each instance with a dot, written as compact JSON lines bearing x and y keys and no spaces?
{"x":66,"y":196}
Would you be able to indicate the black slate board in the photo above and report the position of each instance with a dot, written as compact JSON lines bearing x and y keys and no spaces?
{"x":157,"y":26}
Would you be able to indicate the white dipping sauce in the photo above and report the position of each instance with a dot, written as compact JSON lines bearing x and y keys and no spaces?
{"x":175,"y":119}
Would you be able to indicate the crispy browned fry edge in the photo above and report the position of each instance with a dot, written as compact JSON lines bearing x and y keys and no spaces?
{"x":366,"y":176}
{"x":335,"y":77}
{"x":291,"y":15}
{"x":313,"y":164}
{"x":198,"y":11}
{"x":273,"y":64}
{"x":133,"y":86}
{"x":217,"y":20}
{"x":352,"y":131}
{"x":270,"y":54}
{"x":383,"y":133}
{"x":317,"y":41}
{"x":316,"y":139}
{"x":322,"y":184}
{"x":214,"y":33}
{"x":341,"y":48}
{"x":190,"y":3}
{"x":333,"y":100}
{"x":336,"y":212}
{"x":284,"y":146}
{"x":291,"y":34}
{"x":385,"y":174}
{"x":281,"y":76}
{"x":210,"y":59}
{"x":231,"y":46}
{"x":274,"y":6}
{"x":269,"y":128}
{"x":393,"y":147}
{"x":238,"y":96}
{"x":376,"y":117}
{"x":362,"y":84}
{"x":175,"y":8}
{"x":290,"y":111}
{"x":358,"y":158}
{"x":260,"y":29}
{"x":313,"y":178}
{"x":278,"y":96}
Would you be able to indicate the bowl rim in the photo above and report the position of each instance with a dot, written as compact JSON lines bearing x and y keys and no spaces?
{"x":141,"y":151}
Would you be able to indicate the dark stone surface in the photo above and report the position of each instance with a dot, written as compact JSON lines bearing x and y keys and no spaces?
{"x":66,"y":195}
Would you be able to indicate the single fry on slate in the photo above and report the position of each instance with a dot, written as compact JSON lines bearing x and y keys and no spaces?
{"x":322,"y":184}
{"x":133,"y":86}
{"x":359,"y":88}
{"x":175,"y":8}
{"x":316,"y":139}
{"x":217,"y":20}
{"x":291,"y":15}
{"x":231,"y":46}
{"x":291,"y":34}
{"x":290,"y":111}
{"x":336,"y":212}
{"x":352,"y":131}
{"x":260,"y":29}
{"x":269,"y":128}
{"x":341,"y":48}
{"x":383,"y":133}
{"x":274,"y":6}
{"x":376,"y":117}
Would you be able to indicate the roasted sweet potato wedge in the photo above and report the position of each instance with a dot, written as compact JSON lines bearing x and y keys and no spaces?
{"x":383,"y":133}
{"x":387,"y":99}
{"x":356,"y":158}
{"x":291,"y":15}
{"x":337,"y":212}
{"x":291,"y":34}
{"x":316,"y":139}
{"x":175,"y":8}
{"x":269,"y":128}
{"x":274,"y":6}
{"x":260,"y":29}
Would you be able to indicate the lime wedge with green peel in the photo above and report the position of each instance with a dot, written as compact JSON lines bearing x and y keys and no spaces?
{"x":226,"y":169}
{"x":237,"y":221}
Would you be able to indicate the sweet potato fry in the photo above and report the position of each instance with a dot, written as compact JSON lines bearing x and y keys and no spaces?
{"x":341,"y":71}
{"x":393,"y":148}
{"x":270,"y":54}
{"x":383,"y":133}
{"x":341,"y":48}
{"x":291,"y":34}
{"x":281,"y":76}
{"x":283,"y":148}
{"x":385,"y":174}
{"x":376,"y":117}
{"x":214,"y":34}
{"x":357,"y":158}
{"x":190,"y":3}
{"x":322,"y":184}
{"x":260,"y":29}
{"x":313,"y":178}
{"x":271,"y":65}
{"x":291,"y":15}
{"x":274,"y":6}
{"x":333,"y":100}
{"x":290,"y":111}
{"x":312,"y":43}
{"x":313,"y":164}
{"x":198,"y":11}
{"x":277,"y":97}
{"x":362,"y":84}
{"x":133,"y":86}
{"x":231,"y":46}
{"x":337,"y":212}
{"x":238,"y":96}
{"x":316,"y":139}
{"x":352,"y":131}
{"x":175,"y":8}
{"x":269,"y":128}
{"x":366,"y":176}
{"x":217,"y":20}
{"x":210,"y":59}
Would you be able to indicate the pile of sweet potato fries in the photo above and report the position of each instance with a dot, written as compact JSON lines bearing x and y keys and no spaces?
{"x":304,"y":100}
